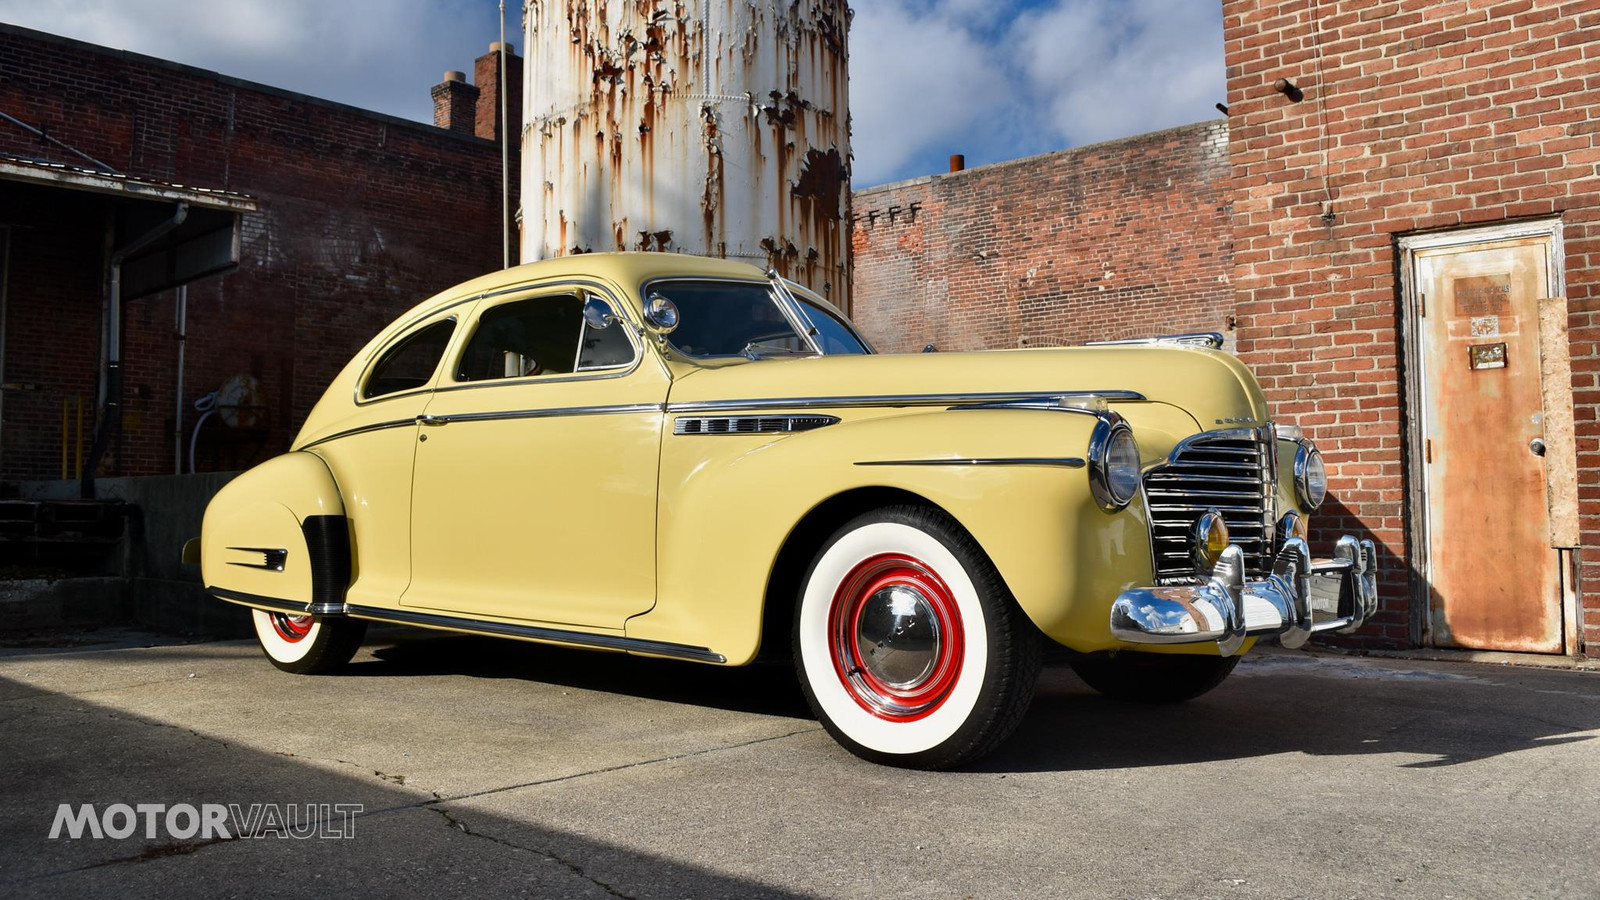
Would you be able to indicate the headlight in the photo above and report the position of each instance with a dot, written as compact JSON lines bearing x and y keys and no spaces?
{"x":1113,"y":463}
{"x":1310,"y":477}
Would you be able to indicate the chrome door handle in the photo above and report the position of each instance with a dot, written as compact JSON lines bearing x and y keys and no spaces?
{"x":433,"y":420}
{"x":1536,"y":446}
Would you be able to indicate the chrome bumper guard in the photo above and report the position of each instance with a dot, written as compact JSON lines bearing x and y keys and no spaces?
{"x":1300,"y":598}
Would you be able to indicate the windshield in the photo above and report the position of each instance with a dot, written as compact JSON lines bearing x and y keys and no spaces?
{"x":722,"y":318}
{"x":737,"y":318}
{"x":833,"y":334}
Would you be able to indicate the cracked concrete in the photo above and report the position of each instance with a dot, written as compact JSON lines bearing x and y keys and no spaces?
{"x":494,"y":768}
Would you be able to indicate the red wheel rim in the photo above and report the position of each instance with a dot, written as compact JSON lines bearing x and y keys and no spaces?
{"x":291,"y":628}
{"x":894,"y":587}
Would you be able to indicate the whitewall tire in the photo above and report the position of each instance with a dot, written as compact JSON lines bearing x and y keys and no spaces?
{"x":909,"y":648}
{"x":307,"y":645}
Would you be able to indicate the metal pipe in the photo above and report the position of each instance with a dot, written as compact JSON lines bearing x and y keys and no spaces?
{"x":62,"y":144}
{"x":505,"y":150}
{"x":111,"y":413}
{"x":181,"y":314}
{"x":5,"y":295}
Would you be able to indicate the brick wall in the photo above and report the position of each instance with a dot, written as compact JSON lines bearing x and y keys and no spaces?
{"x":1438,"y":114}
{"x":1121,"y":239}
{"x":361,"y":216}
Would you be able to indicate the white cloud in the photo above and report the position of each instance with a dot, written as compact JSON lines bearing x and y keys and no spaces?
{"x":993,"y":79}
{"x":378,"y":54}
{"x":998,"y":79}
{"x":1105,"y":69}
{"x":917,"y":82}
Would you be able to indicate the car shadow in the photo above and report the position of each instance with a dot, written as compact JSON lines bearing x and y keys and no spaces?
{"x":1284,"y":704}
{"x":1275,"y":703}
{"x":64,"y":750}
{"x":768,"y":689}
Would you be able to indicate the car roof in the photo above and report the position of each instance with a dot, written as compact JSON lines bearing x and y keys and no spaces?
{"x":627,"y":269}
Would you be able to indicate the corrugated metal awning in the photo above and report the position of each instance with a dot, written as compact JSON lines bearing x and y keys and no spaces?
{"x":34,"y":171}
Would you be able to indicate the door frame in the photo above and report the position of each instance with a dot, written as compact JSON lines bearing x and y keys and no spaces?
{"x":1415,"y":399}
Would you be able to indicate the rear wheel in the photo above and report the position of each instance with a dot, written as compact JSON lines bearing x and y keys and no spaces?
{"x":307,"y":645}
{"x":910,"y":649}
{"x":1153,"y":677}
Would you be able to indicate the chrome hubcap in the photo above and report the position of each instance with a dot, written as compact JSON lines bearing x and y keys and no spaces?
{"x":896,"y":638}
{"x":291,"y":628}
{"x":898,"y":633}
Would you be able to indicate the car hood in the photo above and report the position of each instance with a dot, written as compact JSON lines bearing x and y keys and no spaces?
{"x":1212,"y":387}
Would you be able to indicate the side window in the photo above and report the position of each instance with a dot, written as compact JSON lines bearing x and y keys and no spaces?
{"x":537,"y":336}
{"x":608,"y":348}
{"x":409,"y":364}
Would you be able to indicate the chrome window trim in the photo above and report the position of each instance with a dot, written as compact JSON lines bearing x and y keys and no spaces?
{"x":978,"y":401}
{"x":802,"y":323}
{"x":596,"y":374}
{"x":419,"y":325}
{"x":1065,"y":462}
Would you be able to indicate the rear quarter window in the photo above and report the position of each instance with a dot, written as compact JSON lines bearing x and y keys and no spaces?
{"x":409,"y":364}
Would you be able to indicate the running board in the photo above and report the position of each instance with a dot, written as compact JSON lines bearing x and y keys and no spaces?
{"x":535,"y":633}
{"x":479,"y":626}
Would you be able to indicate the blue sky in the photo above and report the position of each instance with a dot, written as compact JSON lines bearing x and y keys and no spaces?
{"x":993,"y":79}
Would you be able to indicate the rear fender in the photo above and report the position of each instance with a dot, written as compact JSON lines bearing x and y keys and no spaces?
{"x":276,"y":537}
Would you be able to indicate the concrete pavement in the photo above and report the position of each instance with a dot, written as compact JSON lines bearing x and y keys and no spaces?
{"x":490,"y":768}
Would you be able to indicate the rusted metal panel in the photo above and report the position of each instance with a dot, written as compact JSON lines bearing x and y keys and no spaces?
{"x":1560,"y":438}
{"x":1495,"y":581}
{"x":718,"y":127}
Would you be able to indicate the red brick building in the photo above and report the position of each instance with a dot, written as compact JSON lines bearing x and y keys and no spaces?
{"x":341,"y":219}
{"x":1405,"y":232}
{"x":1125,"y":238}
{"x":1416,"y":187}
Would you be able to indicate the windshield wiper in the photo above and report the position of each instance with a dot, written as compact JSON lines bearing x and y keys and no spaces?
{"x":760,"y":350}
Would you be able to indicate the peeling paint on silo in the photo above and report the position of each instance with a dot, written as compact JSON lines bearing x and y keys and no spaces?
{"x":718,"y":127}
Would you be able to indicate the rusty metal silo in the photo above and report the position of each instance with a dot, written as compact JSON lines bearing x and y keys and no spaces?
{"x":718,"y":127}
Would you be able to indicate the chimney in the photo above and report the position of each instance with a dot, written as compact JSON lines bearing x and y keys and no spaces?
{"x":455,"y":103}
{"x":958,"y":162}
{"x":486,"y":74}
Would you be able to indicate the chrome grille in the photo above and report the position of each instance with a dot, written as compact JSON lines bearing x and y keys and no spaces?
{"x":1233,"y":472}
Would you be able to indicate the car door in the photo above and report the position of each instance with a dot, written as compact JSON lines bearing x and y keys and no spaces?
{"x":371,"y":451}
{"x":535,"y":485}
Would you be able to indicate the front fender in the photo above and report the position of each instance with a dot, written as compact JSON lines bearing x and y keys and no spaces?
{"x":729,"y":502}
{"x":277,"y":533}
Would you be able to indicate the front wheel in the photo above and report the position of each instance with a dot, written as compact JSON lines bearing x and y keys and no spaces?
{"x":1153,"y":677}
{"x":307,"y":645}
{"x":910,"y":649}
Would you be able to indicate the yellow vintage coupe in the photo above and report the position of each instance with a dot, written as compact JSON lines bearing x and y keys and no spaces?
{"x":690,"y":458}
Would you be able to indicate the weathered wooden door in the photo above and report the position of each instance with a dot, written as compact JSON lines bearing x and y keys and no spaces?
{"x":1494,"y":581}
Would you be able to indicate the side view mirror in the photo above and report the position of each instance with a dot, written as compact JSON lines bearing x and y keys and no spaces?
{"x":597,"y":314}
{"x":661,"y":313}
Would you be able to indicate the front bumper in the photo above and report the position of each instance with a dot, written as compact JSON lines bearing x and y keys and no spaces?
{"x":1300,"y":598}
